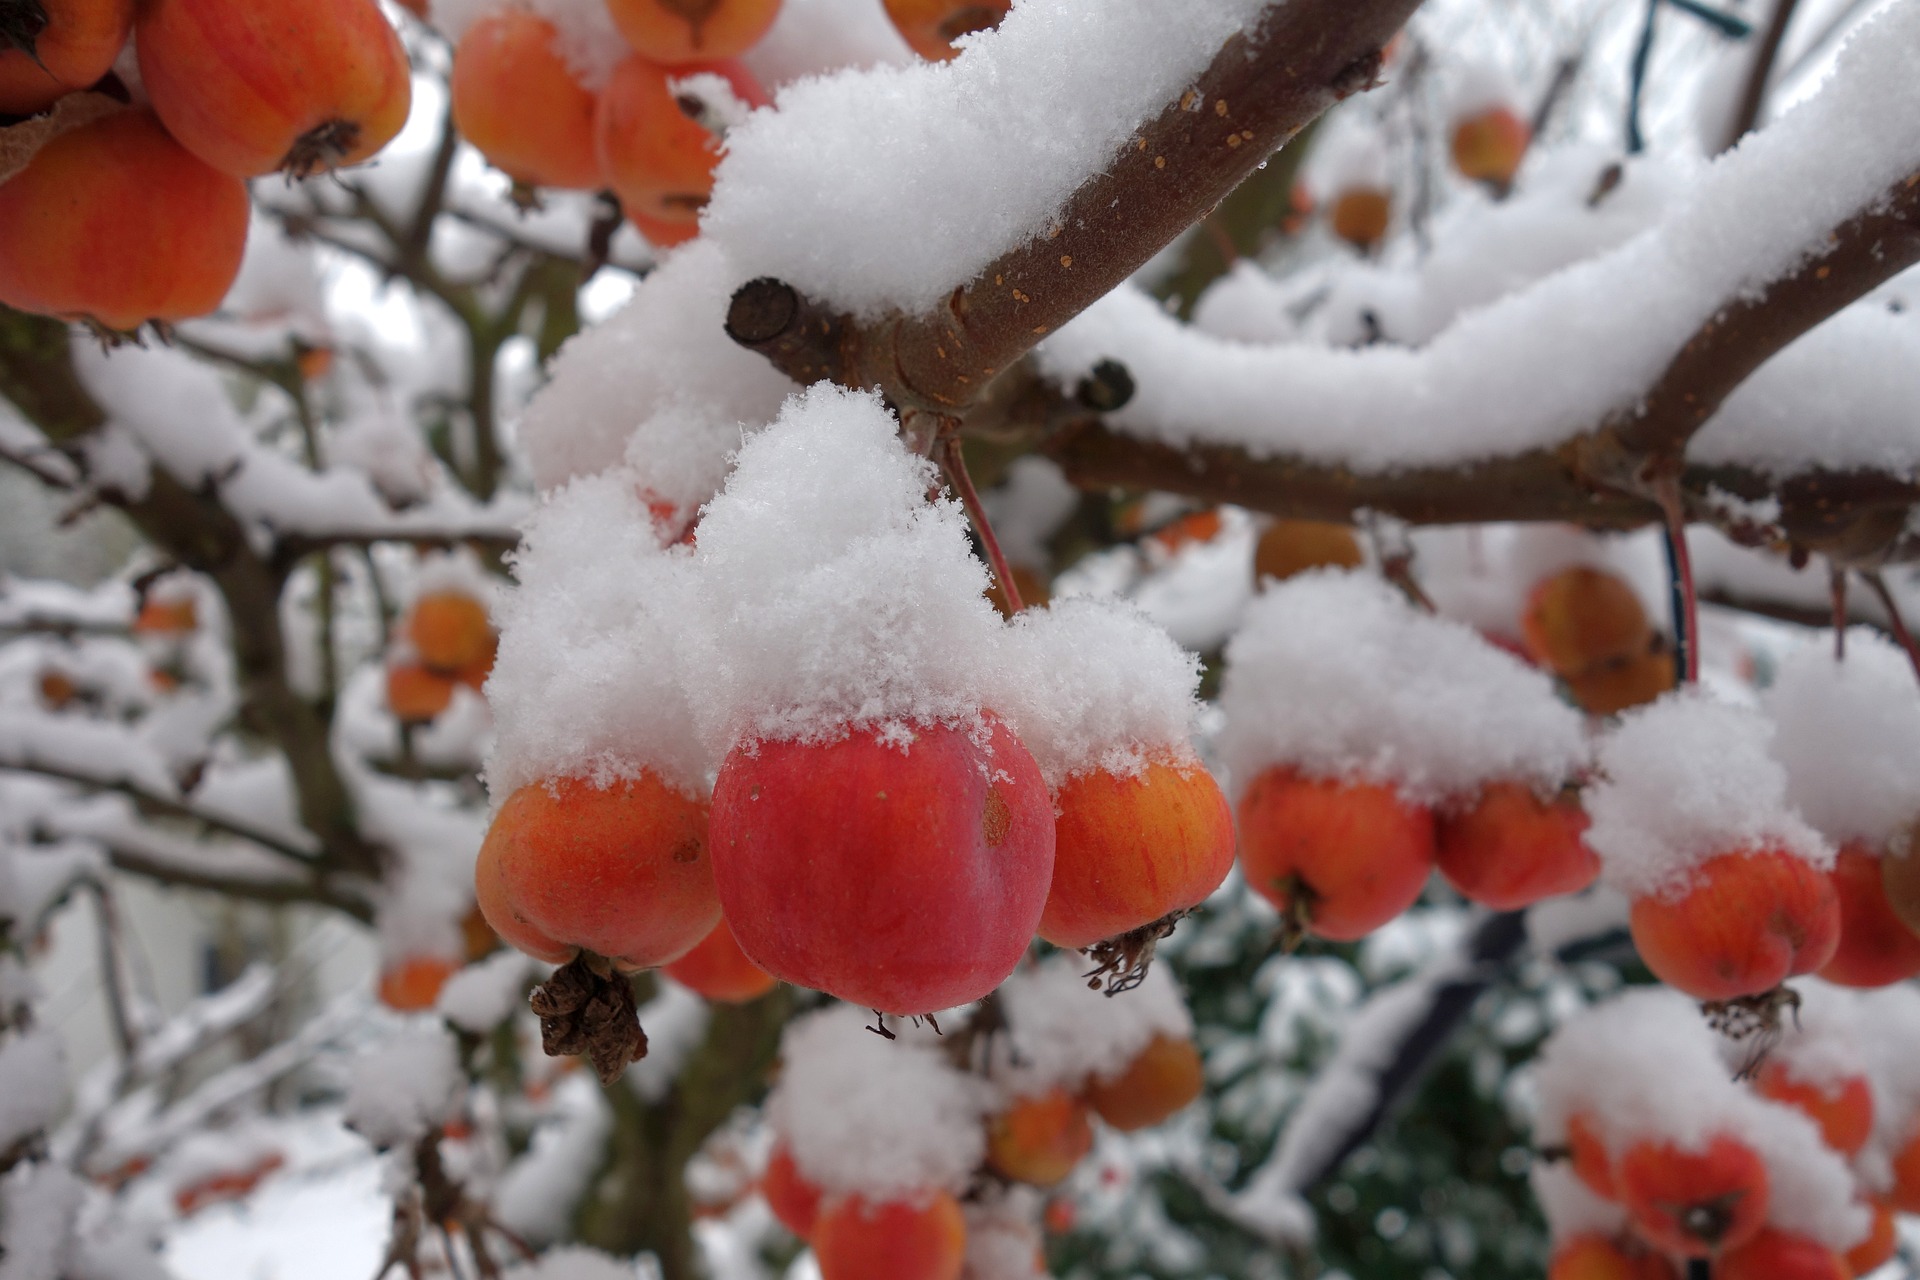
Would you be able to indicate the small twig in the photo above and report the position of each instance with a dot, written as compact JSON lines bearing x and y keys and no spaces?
{"x":1753,"y":98}
{"x":170,"y":808}
{"x":1686,"y":604}
{"x":1564,"y":74}
{"x":955,"y":464}
{"x":1873,"y":579}
{"x":113,"y":976}
{"x":1642,"y":56}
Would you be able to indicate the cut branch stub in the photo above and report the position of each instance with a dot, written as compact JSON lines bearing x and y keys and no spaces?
{"x":803,"y":341}
{"x":587,"y":1007}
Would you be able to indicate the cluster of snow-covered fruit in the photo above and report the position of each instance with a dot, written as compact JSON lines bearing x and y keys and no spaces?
{"x":1783,"y":1160}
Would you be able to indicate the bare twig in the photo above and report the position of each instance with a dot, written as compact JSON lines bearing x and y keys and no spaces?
{"x":1878,"y":583}
{"x":1753,"y":95}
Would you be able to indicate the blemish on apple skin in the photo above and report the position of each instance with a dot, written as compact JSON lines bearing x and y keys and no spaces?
{"x":996,"y":818}
{"x":753,"y":792}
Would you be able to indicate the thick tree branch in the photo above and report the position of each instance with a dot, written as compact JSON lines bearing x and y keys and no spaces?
{"x":1262,"y":88}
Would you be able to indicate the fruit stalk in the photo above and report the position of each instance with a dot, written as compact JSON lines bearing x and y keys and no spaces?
{"x":953,"y":460}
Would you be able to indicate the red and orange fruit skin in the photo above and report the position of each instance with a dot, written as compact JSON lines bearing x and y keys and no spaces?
{"x":515,"y":99}
{"x":417,"y":695}
{"x":1876,"y":947}
{"x":1596,"y":1257}
{"x":930,"y":27}
{"x":1360,"y":216}
{"x":1694,"y":1203}
{"x":621,"y":871}
{"x":903,"y":873}
{"x":1588,"y":1152}
{"x":1510,"y":849}
{"x":1881,"y":1243}
{"x":794,"y":1199}
{"x":1746,"y":923}
{"x":449,"y":631}
{"x":719,"y":970}
{"x":1038,"y":1140}
{"x":77,"y":46}
{"x":1582,"y":617}
{"x":257,"y":86}
{"x":1161,"y":1080}
{"x":115,"y":222}
{"x":676,"y":32}
{"x":1489,"y":145}
{"x":1843,"y":1109}
{"x":413,"y":984}
{"x":924,"y":1238}
{"x":1905,"y":1193}
{"x":1781,"y":1255}
{"x":1344,"y":857}
{"x":1130,"y":849}
{"x":658,"y":159}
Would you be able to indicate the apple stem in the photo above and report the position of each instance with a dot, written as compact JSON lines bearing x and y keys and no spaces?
{"x":1686,"y":603}
{"x":955,"y":464}
{"x":1878,"y":583}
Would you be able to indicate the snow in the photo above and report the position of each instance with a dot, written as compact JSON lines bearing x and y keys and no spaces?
{"x":661,"y":368}
{"x":1060,"y":1033}
{"x":1684,"y":780}
{"x":884,"y":1119}
{"x":1555,"y":359}
{"x":1847,"y":733}
{"x":1028,"y":507}
{"x":1890,"y":1022}
{"x":836,"y":593}
{"x":1094,"y":684}
{"x":539,"y":1191}
{"x":38,"y":1205}
{"x":1569,"y":1207}
{"x":404,"y":1088}
{"x":1337,"y":675}
{"x":1644,"y":1065}
{"x":819,"y":37}
{"x":885,"y":189}
{"x":584,"y":684}
{"x":33,"y":1085}
{"x":574,"y":1262}
{"x":485,"y":994}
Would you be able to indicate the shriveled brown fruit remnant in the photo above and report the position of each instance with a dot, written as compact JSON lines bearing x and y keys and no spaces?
{"x":1121,"y":964}
{"x":587,"y":1007}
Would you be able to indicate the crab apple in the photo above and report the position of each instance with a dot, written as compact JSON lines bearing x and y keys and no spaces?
{"x":931,"y":26}
{"x":924,"y":1238}
{"x":1881,"y":1242}
{"x":1615,"y":686}
{"x":654,"y":149}
{"x":621,"y":871}
{"x":414,"y":983}
{"x":474,"y":674}
{"x":681,"y":31}
{"x":1038,"y":1140}
{"x":1843,"y":1108}
{"x":1582,"y":617}
{"x":1360,"y":215}
{"x":1781,"y":1255}
{"x":416,"y":695}
{"x":1746,"y":923}
{"x":54,"y":47}
{"x":1509,"y":848}
{"x":719,"y":970}
{"x":449,"y":630}
{"x":1189,"y":530}
{"x":1289,"y":547}
{"x":1129,"y":849}
{"x":795,"y":1200}
{"x":1588,"y":1153}
{"x":1694,"y":1203}
{"x":1163,"y":1078}
{"x":115,"y":222}
{"x":166,"y":617}
{"x":903,"y":869}
{"x":515,"y":99}
{"x":1905,"y":1195}
{"x":660,"y":232}
{"x":1900,"y":879}
{"x":1591,"y":1257}
{"x":258,"y":86}
{"x":1339,"y":859}
{"x":57,"y":689}
{"x":1489,"y":145}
